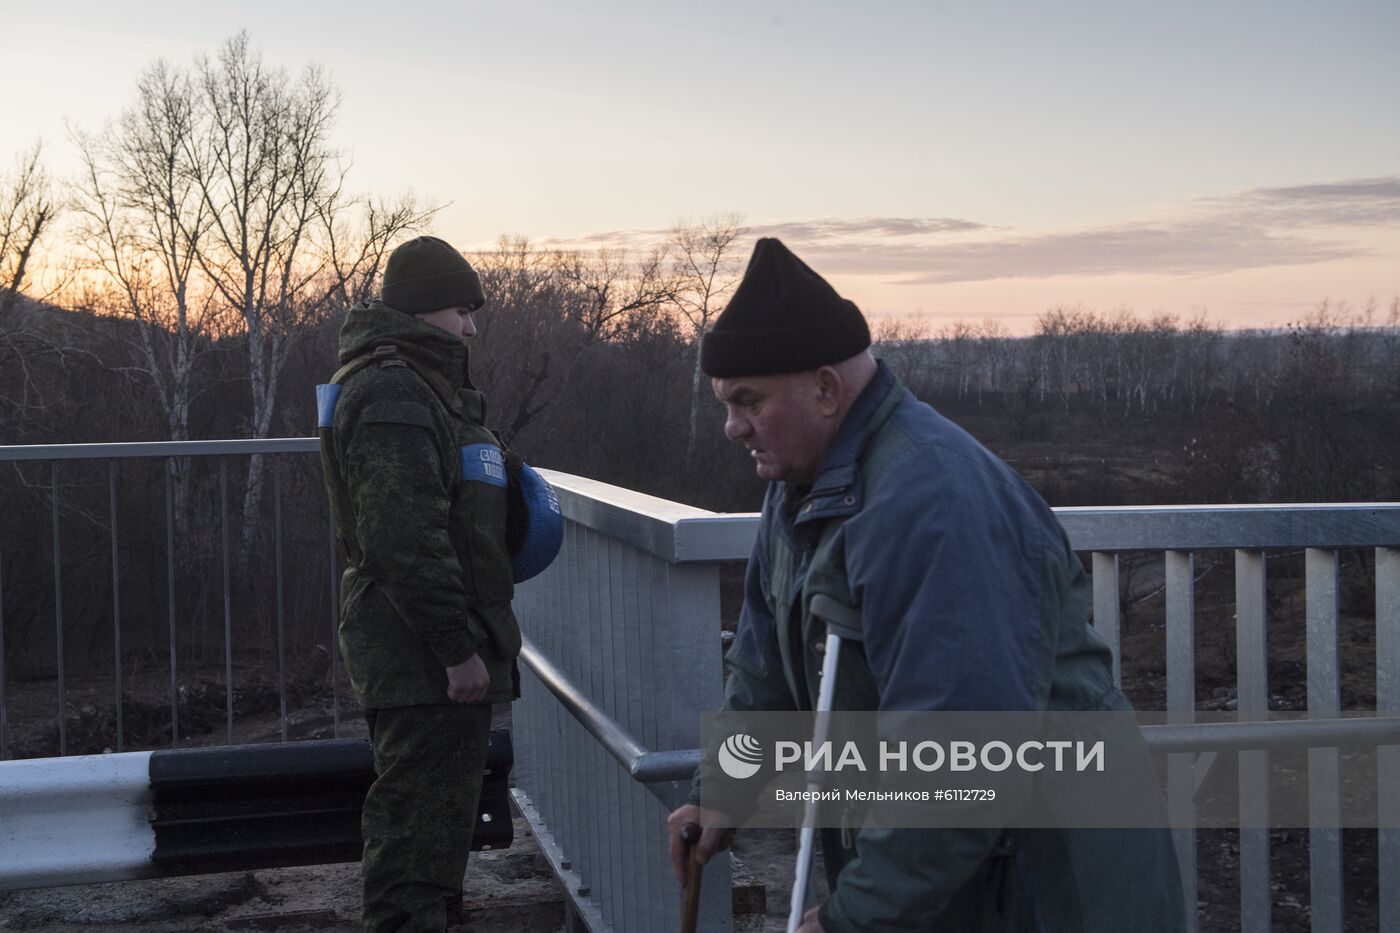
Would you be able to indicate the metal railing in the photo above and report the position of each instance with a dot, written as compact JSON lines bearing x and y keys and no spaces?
{"x":623,"y":656}
{"x":1320,"y":530}
{"x":626,"y":552}
{"x":59,"y":456}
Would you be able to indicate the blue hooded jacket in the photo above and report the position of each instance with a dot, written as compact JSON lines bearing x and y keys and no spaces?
{"x":969,"y":598}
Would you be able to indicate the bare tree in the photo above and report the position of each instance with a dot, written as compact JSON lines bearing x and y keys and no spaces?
{"x":1057,"y":333}
{"x":1200,"y":350}
{"x":142,"y":218}
{"x":547,"y":310}
{"x":216,"y":207}
{"x":993,"y":351}
{"x":275,"y":248}
{"x":524,"y":344}
{"x":27,"y":212}
{"x":903,"y":345}
{"x":705,"y":269}
{"x":609,"y":289}
{"x":355,"y":252}
{"x":957,"y":344}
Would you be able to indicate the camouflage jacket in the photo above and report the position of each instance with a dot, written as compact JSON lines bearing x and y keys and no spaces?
{"x":417,"y":486}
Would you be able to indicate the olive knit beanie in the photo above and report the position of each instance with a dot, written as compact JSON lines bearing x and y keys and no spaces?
{"x":427,"y":274}
{"x":783,"y":318}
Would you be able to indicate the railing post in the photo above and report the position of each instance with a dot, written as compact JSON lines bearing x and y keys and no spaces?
{"x":1388,"y":758}
{"x":228,"y":599}
{"x":170,"y":599}
{"x":116,"y":595}
{"x":58,"y":611}
{"x":1324,"y":702}
{"x":4,"y":724}
{"x":333,"y":559}
{"x":1251,"y":642}
{"x":1106,"y":607}
{"x":281,"y":620}
{"x":1181,"y":709}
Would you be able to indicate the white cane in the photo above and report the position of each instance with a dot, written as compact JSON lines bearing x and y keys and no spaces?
{"x":847,"y":621}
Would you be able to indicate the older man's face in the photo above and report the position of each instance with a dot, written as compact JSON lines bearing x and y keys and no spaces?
{"x":779,"y":419}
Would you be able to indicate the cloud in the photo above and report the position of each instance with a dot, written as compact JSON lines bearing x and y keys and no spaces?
{"x":1360,"y":202}
{"x":1252,"y":229}
{"x":824,"y":229}
{"x":893,"y":227}
{"x":1187,"y":249}
{"x":1255,"y":228}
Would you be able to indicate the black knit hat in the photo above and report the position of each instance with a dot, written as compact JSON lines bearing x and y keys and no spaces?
{"x":783,"y":318}
{"x":427,"y":274}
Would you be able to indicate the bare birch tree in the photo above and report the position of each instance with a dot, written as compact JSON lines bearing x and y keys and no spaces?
{"x":275,"y":249}
{"x":142,"y":218}
{"x":705,"y":270}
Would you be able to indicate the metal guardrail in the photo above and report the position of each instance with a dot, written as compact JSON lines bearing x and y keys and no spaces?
{"x":128,"y":815}
{"x":623,"y":658}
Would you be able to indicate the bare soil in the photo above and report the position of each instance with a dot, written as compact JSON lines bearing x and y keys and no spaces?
{"x":508,"y":891}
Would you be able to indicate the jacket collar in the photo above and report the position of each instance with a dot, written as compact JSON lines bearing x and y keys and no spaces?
{"x":434,"y":354}
{"x":835,"y":491}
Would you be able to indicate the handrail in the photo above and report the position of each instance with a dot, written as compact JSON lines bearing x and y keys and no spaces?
{"x":135,"y":449}
{"x":649,"y":767}
{"x":682,"y":533}
{"x":645,"y":767}
{"x":1292,"y":733}
{"x":1272,"y":526}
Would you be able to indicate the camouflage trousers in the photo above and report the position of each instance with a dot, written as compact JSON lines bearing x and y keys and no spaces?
{"x":419,"y":813}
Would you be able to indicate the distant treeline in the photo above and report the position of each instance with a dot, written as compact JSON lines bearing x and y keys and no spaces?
{"x":586,"y":380}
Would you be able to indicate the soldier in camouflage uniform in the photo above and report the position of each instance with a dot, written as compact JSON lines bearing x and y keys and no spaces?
{"x":417,"y":485}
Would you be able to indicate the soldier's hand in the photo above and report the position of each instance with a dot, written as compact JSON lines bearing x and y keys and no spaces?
{"x":468,"y":682}
{"x":810,"y":923}
{"x":715,"y":834}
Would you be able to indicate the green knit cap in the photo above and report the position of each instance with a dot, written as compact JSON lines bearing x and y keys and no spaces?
{"x":427,"y":274}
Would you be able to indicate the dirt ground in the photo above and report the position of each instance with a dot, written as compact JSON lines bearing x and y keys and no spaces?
{"x":509,"y":891}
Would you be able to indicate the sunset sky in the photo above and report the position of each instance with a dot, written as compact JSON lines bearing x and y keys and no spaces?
{"x":951,"y":159}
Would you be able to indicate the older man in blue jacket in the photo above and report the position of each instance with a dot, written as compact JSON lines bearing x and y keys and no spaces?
{"x":969,"y":598}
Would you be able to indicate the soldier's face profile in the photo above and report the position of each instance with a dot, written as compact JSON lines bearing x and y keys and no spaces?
{"x":457,"y":321}
{"x":779,"y":419}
